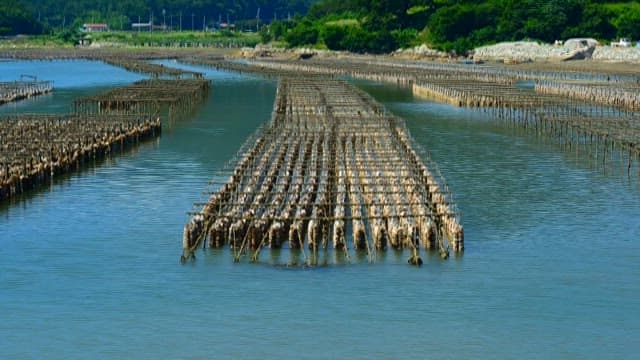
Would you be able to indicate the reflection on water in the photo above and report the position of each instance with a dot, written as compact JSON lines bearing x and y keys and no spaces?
{"x":89,"y":267}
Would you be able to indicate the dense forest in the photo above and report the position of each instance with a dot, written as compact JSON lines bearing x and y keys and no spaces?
{"x":16,"y":19}
{"x":385,"y":25}
{"x":376,"y":26}
{"x":191,"y":14}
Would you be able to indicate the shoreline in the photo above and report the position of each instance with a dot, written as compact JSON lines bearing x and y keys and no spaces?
{"x":507,"y":53}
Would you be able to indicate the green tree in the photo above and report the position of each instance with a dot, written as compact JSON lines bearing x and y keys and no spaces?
{"x":627,"y":21}
{"x":304,"y":33}
{"x":16,"y":19}
{"x":265,"y":35}
{"x":333,"y":36}
{"x":595,"y":22}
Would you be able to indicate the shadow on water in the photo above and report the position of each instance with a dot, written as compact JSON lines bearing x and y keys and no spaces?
{"x":512,"y":184}
{"x":92,"y":271}
{"x":297,"y":259}
{"x":86,"y":169}
{"x":450,"y":127}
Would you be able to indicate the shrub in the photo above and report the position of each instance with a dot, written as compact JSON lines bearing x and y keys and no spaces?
{"x":304,"y":33}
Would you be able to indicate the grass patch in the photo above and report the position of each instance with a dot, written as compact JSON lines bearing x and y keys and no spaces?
{"x":182,"y":38}
{"x":343,"y":22}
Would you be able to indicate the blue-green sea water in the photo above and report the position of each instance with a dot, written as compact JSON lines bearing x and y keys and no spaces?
{"x":89,"y":266}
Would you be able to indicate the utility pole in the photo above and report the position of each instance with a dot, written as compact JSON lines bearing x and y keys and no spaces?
{"x":203,"y":22}
{"x":258,"y":20}
{"x":192,"y":17}
{"x":164,"y":20}
{"x":180,"y":21}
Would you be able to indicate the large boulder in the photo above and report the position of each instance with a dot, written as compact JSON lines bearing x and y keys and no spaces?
{"x":580,"y":43}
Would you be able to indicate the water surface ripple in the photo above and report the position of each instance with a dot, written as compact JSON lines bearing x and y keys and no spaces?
{"x":89,"y":266}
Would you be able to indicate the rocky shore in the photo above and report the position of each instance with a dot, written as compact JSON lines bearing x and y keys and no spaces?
{"x":421,"y":51}
{"x":608,"y":53}
{"x":522,"y":51}
{"x":507,"y":52}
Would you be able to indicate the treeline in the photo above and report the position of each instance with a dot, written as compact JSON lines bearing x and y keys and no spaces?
{"x":380,"y":26}
{"x":374,"y":26}
{"x":57,"y":14}
{"x":16,"y":19}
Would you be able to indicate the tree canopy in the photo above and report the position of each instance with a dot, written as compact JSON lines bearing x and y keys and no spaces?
{"x":16,"y":19}
{"x":118,"y":14}
{"x":375,"y":26}
{"x":380,"y":25}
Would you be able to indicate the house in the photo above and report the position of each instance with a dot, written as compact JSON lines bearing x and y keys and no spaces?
{"x":623,"y":42}
{"x":84,"y":40}
{"x":141,"y":26}
{"x":95,"y":27}
{"x":225,"y":26}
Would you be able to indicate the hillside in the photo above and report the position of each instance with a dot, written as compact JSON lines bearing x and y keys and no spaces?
{"x":16,"y":19}
{"x":187,"y":14}
{"x":384,"y":25}
{"x":376,"y":26}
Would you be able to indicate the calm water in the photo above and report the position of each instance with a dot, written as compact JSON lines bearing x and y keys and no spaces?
{"x":89,"y":267}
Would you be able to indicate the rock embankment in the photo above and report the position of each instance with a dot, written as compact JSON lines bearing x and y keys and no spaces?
{"x":522,"y":51}
{"x":608,"y":53}
{"x":261,"y":50}
{"x":421,"y":51}
{"x":508,"y":52}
